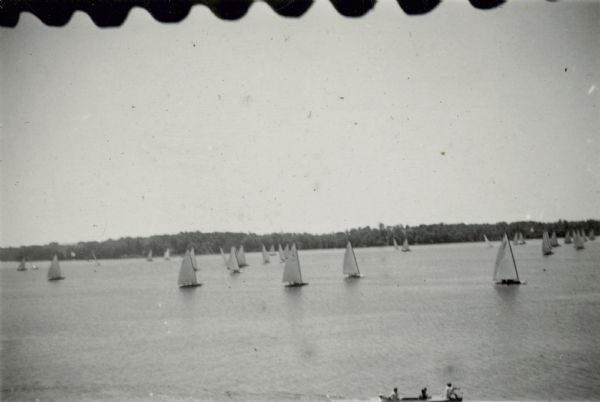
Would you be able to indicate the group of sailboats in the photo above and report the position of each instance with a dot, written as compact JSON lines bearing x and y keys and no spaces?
{"x":23,"y":265}
{"x":405,"y":246}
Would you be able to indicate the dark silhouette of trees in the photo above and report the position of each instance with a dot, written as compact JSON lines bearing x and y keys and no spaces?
{"x":209,"y":243}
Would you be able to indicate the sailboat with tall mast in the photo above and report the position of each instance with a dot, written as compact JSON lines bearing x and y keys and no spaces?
{"x":149,"y":256}
{"x":22,"y":266}
{"x":405,"y":245}
{"x":577,"y":240}
{"x":265,"y":256}
{"x":568,"y":237}
{"x":167,"y":255}
{"x":54,"y":272}
{"x":487,"y":242}
{"x":592,"y":235}
{"x":546,"y":245}
{"x":241,"y":257}
{"x":395,"y":243}
{"x":521,"y":239}
{"x":554,"y":240}
{"x":292,"y":276}
{"x":187,"y":272}
{"x":95,"y":259}
{"x":272,"y":250}
{"x":505,"y":269}
{"x":350,"y":267}
{"x":232,"y":263}
{"x":223,"y":256}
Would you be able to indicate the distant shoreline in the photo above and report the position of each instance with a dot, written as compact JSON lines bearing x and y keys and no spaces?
{"x":210,"y":242}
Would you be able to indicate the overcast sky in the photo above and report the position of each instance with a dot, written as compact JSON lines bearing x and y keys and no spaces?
{"x":315,"y":124}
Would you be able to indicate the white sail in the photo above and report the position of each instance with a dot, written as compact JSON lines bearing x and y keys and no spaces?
{"x":487,"y":242}
{"x":223,"y":256}
{"x":54,"y":272}
{"x":395,"y":243}
{"x":405,"y":245}
{"x":22,"y":266}
{"x":577,"y":240}
{"x":554,"y":240}
{"x":286,"y":251}
{"x":281,"y":254}
{"x":241,"y":257}
{"x":167,"y":254}
{"x":291,"y":272}
{"x":95,"y":259}
{"x":232,"y":263}
{"x":265,"y":255}
{"x":521,"y":238}
{"x":194,"y":262}
{"x":187,"y":272}
{"x":505,"y":268}
{"x":516,"y":239}
{"x":149,"y":256}
{"x":272,"y":250}
{"x":350,"y":264}
{"x":546,"y":245}
{"x":568,"y":238}
{"x":592,"y":235}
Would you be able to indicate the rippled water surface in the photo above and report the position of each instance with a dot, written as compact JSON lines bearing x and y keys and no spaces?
{"x":125,"y":331}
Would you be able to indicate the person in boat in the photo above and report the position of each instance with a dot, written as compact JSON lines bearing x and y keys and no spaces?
{"x":423,"y":395}
{"x":394,"y":395}
{"x":450,"y":392}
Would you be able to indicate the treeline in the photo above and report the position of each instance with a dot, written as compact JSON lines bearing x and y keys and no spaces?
{"x":209,"y":243}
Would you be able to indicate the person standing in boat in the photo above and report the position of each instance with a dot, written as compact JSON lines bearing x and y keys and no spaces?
{"x":449,"y":393}
{"x":424,"y":395}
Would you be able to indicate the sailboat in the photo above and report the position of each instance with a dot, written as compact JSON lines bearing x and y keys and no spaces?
{"x":568,"y":238}
{"x":281,"y":254}
{"x":577,"y":241}
{"x":187,"y":272}
{"x":223,"y":256}
{"x":546,"y":245}
{"x":292,"y":276}
{"x":405,"y":245}
{"x":350,"y":265}
{"x":487,"y":242}
{"x":583,"y":236}
{"x":149,"y":256}
{"x":554,"y":240}
{"x":521,"y":239}
{"x":167,"y":254}
{"x":22,"y":266}
{"x":515,"y":240}
{"x":505,"y":269}
{"x":95,"y":259}
{"x":232,"y":263}
{"x":286,"y":251}
{"x":194,"y":262}
{"x":592,"y":235}
{"x":54,"y":273}
{"x":241,"y":257}
{"x":395,"y":243}
{"x":272,"y":250}
{"x":265,"y":255}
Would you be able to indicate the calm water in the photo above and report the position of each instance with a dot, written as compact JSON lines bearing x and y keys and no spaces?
{"x":125,"y":331}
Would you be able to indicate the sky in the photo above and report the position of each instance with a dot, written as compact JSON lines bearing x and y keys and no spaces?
{"x":313,"y":124}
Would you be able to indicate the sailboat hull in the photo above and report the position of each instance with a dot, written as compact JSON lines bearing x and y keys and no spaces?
{"x":509,"y":282}
{"x":384,"y":398}
{"x":57,"y":279}
{"x":191,"y":285}
{"x":296,"y":284}
{"x":354,"y":276}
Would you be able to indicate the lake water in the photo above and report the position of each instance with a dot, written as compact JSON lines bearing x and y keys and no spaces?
{"x":125,"y":331}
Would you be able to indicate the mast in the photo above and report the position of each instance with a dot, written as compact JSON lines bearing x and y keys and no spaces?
{"x":513,"y":260}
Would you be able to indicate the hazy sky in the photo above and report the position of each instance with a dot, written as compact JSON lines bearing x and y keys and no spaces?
{"x":315,"y":124}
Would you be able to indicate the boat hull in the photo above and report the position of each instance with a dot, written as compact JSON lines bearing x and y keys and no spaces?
{"x":191,"y":285}
{"x":57,"y":279}
{"x":295,"y":284}
{"x":354,"y":276}
{"x":509,"y":282}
